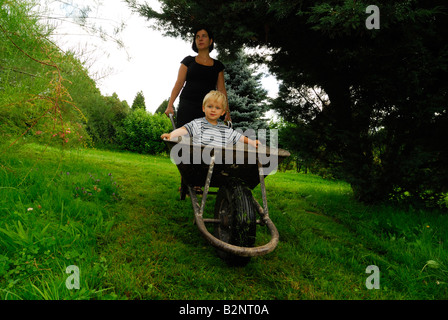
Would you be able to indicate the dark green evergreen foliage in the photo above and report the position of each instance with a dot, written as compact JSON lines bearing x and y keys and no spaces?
{"x":385,"y":126}
{"x":247,"y":98}
{"x":162,"y":107}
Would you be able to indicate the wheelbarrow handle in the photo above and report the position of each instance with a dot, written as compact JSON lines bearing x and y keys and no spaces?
{"x":217,"y":243}
{"x":172,"y":120}
{"x":239,"y":251}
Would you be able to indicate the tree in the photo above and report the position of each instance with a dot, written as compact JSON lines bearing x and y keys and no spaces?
{"x":247,"y":98}
{"x":35,"y":101}
{"x":162,"y":107}
{"x":106,"y":120}
{"x":139,"y":101}
{"x":47,"y":94}
{"x":384,"y":125}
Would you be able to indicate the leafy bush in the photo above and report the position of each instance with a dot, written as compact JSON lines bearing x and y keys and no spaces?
{"x":142,"y":131}
{"x":36,"y":98}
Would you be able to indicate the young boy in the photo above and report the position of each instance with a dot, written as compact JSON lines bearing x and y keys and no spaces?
{"x":210,"y":131}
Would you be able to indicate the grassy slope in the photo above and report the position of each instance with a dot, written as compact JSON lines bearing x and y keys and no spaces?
{"x":136,"y":239}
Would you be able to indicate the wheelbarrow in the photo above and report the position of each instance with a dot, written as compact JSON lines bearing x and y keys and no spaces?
{"x":235,"y":170}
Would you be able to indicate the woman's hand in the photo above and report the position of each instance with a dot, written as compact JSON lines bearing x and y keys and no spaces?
{"x":228,"y":118}
{"x":169,"y":110}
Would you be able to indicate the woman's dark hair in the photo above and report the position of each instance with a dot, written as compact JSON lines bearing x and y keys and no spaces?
{"x":210,"y":36}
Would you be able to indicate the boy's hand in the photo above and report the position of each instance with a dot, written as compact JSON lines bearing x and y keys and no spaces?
{"x":166,"y":136}
{"x":255,"y":143}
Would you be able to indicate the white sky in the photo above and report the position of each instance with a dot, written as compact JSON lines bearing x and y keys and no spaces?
{"x":149,"y":62}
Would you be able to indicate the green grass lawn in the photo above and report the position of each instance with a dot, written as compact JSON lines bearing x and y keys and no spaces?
{"x":118,"y":218}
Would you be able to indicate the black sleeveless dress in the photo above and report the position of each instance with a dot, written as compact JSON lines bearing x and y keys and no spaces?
{"x":200,"y":81}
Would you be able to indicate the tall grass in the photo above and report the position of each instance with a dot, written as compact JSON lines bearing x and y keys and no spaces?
{"x":400,"y":242}
{"x":118,"y":217}
{"x":52,"y":213}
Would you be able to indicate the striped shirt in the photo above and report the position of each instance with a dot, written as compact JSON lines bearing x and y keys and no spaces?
{"x":205,"y":133}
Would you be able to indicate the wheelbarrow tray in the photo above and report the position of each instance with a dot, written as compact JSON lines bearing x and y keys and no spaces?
{"x":238,"y":161}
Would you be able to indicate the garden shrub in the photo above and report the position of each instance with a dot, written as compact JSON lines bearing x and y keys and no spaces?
{"x":142,"y":131}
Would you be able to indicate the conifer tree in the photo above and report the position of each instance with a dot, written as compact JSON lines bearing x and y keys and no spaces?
{"x":139,"y":101}
{"x":385,"y":124}
{"x":247,"y":98}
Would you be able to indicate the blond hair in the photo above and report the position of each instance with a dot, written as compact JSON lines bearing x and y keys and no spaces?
{"x":218,"y":96}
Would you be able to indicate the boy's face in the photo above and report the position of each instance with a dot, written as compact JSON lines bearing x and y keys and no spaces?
{"x":213,"y":109}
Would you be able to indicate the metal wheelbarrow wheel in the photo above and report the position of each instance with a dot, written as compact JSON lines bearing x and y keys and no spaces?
{"x":235,"y":210}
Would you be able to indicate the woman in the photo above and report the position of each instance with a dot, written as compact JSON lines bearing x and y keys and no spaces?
{"x":197,"y":76}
